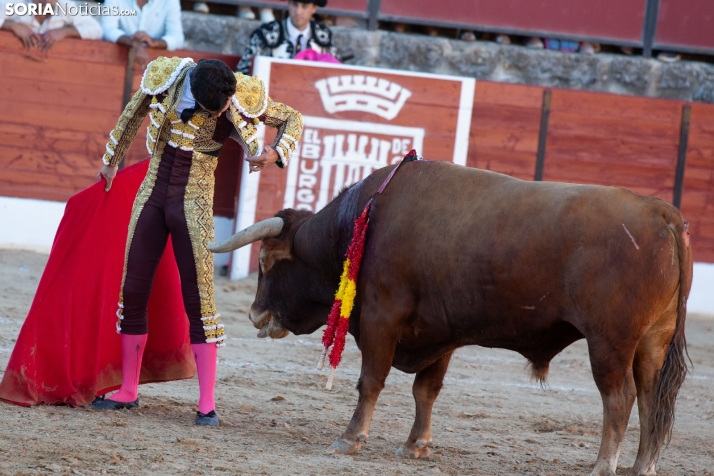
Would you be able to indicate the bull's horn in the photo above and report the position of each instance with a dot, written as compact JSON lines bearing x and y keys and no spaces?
{"x":264,"y":229}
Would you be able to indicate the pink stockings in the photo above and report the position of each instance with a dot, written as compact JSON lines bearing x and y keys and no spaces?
{"x":206,"y":360}
{"x":133,"y":349}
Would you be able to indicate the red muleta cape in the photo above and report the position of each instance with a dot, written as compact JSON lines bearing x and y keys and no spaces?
{"x":68,"y":350}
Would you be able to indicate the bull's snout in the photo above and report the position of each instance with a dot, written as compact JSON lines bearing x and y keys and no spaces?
{"x":258,"y":318}
{"x":268,"y":325}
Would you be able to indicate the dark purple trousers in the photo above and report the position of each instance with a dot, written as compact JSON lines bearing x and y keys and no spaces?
{"x":163,"y":215}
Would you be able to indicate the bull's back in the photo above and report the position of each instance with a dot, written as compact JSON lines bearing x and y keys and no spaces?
{"x":496,"y":261}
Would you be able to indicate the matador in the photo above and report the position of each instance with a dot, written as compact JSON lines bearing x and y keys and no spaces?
{"x":193,"y":109}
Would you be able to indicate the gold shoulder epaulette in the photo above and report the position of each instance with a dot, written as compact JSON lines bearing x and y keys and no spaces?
{"x":161,"y":73}
{"x":250,"y":97}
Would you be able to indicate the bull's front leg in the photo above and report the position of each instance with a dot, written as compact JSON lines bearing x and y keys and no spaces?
{"x":427,"y":384}
{"x":378,"y":344}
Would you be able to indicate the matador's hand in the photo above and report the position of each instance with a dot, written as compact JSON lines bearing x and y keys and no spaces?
{"x":108,"y":172}
{"x":258,"y":163}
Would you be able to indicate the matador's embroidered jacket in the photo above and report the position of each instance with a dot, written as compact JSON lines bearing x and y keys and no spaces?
{"x":160,"y":91}
{"x":203,"y":135}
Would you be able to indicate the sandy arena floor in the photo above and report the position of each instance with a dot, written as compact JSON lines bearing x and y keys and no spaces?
{"x":276,"y":417}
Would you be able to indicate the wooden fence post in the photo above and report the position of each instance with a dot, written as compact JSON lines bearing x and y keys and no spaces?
{"x":682,"y":155}
{"x":543,"y":135}
{"x":128,"y":83}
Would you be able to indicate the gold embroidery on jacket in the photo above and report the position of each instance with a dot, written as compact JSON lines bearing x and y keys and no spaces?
{"x":124,"y":132}
{"x":204,"y":136}
{"x":196,"y":134}
{"x":161,"y":73}
{"x":249,"y":134}
{"x":250,"y":98}
{"x":198,"y":209}
{"x":213,"y":329}
{"x":247,"y":131}
{"x":157,"y":122}
{"x":251,"y":103}
{"x":289,"y":124}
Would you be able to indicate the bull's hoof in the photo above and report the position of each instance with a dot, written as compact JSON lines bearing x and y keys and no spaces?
{"x":346,"y":447}
{"x":602,"y":472}
{"x":636,"y":472}
{"x":418,"y":450}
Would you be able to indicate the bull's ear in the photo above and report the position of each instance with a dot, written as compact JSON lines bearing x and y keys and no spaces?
{"x":272,"y":251}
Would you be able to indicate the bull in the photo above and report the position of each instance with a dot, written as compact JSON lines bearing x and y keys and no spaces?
{"x":457,"y":256}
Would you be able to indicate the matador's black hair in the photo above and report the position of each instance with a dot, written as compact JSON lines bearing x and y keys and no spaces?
{"x":212,"y":83}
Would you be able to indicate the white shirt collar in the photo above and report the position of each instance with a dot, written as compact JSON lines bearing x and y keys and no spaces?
{"x":293,"y":34}
{"x":187,"y":100}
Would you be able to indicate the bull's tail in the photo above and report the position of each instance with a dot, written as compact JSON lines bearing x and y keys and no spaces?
{"x":675,"y":367}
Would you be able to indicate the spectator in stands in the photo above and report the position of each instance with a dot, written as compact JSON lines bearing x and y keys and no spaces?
{"x":584,"y":47}
{"x":502,"y":39}
{"x":247,"y":13}
{"x":157,"y":24}
{"x":669,"y":56}
{"x":531,"y":42}
{"x":42,"y":30}
{"x":535,"y":43}
{"x":400,"y":28}
{"x":286,"y":38}
{"x":588,"y":48}
{"x":566,"y":46}
{"x":468,"y":35}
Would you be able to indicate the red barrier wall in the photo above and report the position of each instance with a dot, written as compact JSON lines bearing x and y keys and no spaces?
{"x":698,"y":196}
{"x":505,"y":125}
{"x":608,"y":139}
{"x":685,"y":23}
{"x":353,"y":6}
{"x":603,"y":139}
{"x":56,"y":117}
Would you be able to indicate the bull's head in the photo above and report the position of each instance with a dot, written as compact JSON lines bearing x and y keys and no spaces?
{"x":289,"y":297}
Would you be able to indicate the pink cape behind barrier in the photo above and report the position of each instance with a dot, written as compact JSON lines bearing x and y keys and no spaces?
{"x":312,"y":55}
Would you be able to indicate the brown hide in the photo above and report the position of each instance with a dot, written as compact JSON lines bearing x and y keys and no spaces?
{"x":459,"y":256}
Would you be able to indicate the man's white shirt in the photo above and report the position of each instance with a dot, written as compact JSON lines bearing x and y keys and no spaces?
{"x":294,"y":33}
{"x":187,"y":100}
{"x":160,"y":19}
{"x":87,"y":27}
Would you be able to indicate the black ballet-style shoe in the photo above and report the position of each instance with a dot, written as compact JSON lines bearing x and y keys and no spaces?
{"x":100,"y":403}
{"x":207,"y":419}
